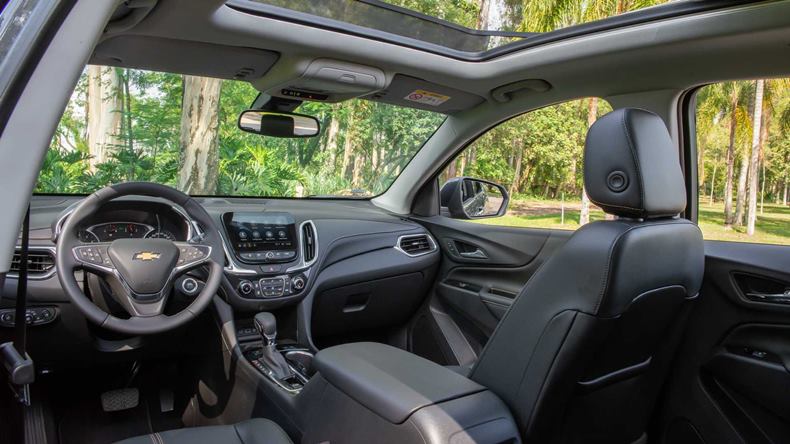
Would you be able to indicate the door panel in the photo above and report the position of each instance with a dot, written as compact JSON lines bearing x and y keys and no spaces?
{"x":473,"y":291}
{"x":731,"y":381}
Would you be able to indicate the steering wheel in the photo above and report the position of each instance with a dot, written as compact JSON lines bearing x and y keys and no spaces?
{"x":140,"y":272}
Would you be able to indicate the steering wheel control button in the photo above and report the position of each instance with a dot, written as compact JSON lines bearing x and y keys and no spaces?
{"x":33,"y":316}
{"x":189,"y":254}
{"x":92,"y":255}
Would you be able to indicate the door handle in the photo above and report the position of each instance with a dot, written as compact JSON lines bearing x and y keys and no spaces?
{"x":477,"y":254}
{"x":775,"y":298}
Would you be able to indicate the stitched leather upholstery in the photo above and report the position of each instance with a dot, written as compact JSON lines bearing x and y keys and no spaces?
{"x":581,"y":354}
{"x":631,"y":168}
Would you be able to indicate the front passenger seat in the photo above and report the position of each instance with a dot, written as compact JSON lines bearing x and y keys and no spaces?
{"x":582,"y":353}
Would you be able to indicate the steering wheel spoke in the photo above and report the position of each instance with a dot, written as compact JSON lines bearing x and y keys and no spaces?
{"x":191,"y":255}
{"x":94,"y":257}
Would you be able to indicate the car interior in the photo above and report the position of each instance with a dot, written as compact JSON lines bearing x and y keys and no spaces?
{"x":164,"y":315}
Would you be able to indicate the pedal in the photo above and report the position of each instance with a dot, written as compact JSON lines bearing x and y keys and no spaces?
{"x":166,"y":400}
{"x":121,"y":399}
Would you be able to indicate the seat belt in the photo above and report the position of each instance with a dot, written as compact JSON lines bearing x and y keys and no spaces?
{"x":16,"y":361}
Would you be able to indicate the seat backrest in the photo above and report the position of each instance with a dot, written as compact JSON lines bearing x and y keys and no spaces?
{"x":581,"y":354}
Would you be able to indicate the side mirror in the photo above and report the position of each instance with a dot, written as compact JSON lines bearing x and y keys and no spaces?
{"x":277,"y":124}
{"x":467,"y":198}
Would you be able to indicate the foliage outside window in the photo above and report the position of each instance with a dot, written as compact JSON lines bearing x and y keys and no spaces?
{"x":132,"y":125}
{"x":743,"y":147}
{"x":537,"y":156}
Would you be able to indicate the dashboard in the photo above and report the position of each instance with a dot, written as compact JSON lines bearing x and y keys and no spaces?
{"x":335,"y":264}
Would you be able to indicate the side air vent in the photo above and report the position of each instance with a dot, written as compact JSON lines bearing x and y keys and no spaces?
{"x":308,"y":241}
{"x":39,"y":262}
{"x":416,"y":245}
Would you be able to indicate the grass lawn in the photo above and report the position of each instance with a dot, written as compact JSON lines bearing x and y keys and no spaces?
{"x":773,"y":226}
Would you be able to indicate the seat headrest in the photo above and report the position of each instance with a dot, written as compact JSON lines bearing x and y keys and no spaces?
{"x":631,"y":167}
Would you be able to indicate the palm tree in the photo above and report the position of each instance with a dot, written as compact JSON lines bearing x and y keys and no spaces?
{"x":754,"y":172}
{"x":714,"y":102}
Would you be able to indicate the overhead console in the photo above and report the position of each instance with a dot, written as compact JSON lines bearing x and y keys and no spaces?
{"x":327,"y":80}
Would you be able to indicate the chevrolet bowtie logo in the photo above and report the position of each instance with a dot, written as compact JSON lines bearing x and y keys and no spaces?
{"x":146,"y":256}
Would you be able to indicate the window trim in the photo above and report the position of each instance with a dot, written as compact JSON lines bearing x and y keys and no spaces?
{"x":687,"y":139}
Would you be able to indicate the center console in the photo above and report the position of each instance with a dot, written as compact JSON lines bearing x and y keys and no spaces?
{"x":269,"y":255}
{"x":400,"y":397}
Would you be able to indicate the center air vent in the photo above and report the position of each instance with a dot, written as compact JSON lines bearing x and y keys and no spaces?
{"x":416,"y":245}
{"x":39,"y":262}
{"x":308,"y":241}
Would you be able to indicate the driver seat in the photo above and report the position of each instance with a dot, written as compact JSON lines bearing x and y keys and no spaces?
{"x":251,"y":431}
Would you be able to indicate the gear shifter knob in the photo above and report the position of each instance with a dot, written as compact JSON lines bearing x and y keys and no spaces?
{"x":266,"y":324}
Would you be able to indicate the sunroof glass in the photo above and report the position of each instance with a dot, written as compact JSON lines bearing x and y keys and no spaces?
{"x":443,"y":23}
{"x":462,"y":26}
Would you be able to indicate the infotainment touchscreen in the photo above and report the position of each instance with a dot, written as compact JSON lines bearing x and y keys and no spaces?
{"x":262,"y":236}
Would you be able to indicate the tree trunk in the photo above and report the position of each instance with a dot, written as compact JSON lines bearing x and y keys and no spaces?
{"x":462,"y":164}
{"x":331,"y":138}
{"x":763,"y":137}
{"x":482,"y":15}
{"x":104,"y":113}
{"x":754,"y":163}
{"x":784,"y":194}
{"x":740,"y":199}
{"x":348,"y":145}
{"x":356,"y":174}
{"x":452,"y":170}
{"x":127,"y":98}
{"x":519,"y":152}
{"x":592,"y":115}
{"x":199,"y":165}
{"x":713,"y":181}
{"x":701,"y":165}
{"x":728,"y":216}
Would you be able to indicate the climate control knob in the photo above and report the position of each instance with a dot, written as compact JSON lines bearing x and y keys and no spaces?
{"x":245,"y":288}
{"x":298,"y":283}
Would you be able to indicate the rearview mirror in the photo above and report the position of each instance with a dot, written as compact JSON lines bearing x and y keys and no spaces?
{"x":467,"y":198}
{"x":278,"y":124}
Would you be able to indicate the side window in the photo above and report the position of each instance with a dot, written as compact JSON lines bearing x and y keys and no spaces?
{"x":537,"y":158}
{"x":743,"y":148}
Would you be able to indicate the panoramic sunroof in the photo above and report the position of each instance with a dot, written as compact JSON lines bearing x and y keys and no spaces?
{"x":471,"y":29}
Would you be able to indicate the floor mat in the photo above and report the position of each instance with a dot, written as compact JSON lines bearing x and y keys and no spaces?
{"x":80,"y":418}
{"x":86,"y":422}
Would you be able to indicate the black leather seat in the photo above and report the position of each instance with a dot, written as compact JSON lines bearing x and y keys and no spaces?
{"x":253,"y":431}
{"x":582,"y":353}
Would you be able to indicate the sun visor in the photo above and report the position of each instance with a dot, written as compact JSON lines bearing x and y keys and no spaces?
{"x":184,"y":57}
{"x":416,"y":93}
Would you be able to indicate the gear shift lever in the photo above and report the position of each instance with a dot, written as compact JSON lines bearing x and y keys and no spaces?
{"x":271,"y":358}
{"x":266,"y":324}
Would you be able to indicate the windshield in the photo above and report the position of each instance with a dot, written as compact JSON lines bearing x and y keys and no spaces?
{"x":133,"y":125}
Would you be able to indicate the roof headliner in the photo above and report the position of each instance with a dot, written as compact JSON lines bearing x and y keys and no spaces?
{"x":675,"y":53}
